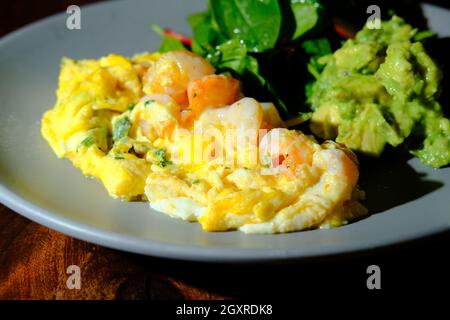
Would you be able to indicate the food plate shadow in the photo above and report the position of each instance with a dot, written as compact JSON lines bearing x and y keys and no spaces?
{"x":174,"y":279}
{"x":391,"y":181}
{"x":439,"y":49}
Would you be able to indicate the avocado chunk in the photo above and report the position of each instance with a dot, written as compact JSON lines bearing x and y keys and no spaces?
{"x":379,"y":89}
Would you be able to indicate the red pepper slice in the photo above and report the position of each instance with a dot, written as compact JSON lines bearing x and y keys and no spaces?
{"x":343,"y":29}
{"x":184,"y":40}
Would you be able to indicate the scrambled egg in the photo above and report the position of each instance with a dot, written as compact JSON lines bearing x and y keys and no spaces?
{"x":156,"y":127}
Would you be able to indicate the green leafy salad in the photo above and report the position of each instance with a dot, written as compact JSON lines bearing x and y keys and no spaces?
{"x":377,"y":90}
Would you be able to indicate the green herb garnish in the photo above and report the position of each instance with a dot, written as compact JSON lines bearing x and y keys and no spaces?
{"x":87,"y":142}
{"x":148,"y":103}
{"x":121,"y":128}
{"x":161,"y":156}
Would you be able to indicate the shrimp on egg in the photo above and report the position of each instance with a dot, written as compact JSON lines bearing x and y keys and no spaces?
{"x":287,"y":148}
{"x":134,"y":127}
{"x":155,"y":116}
{"x":246,"y":113}
{"x":331,"y":201}
{"x":189,"y":80}
{"x":172,"y":73}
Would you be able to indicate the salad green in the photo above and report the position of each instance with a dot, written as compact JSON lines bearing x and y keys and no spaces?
{"x":255,"y":41}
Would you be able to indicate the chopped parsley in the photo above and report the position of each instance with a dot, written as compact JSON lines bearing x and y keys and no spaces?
{"x":148,"y":102}
{"x":121,"y":128}
{"x":131,"y":106}
{"x":87,"y":142}
{"x":161,"y":156}
{"x":195,"y":181}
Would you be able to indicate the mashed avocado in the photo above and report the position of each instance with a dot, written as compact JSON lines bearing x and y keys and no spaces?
{"x":380,"y":88}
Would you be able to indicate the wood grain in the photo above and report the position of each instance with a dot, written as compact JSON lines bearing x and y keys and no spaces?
{"x":34,"y":259}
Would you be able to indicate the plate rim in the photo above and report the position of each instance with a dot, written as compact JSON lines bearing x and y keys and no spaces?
{"x":124,"y":242}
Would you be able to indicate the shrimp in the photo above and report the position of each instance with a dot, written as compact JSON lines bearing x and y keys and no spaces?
{"x":172,"y":73}
{"x":287,"y":148}
{"x":156,"y":115}
{"x":210,"y":91}
{"x":271,"y":117}
{"x":334,"y":189}
{"x":245,"y":114}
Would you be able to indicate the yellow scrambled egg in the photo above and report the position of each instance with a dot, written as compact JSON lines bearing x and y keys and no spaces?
{"x":152,"y":127}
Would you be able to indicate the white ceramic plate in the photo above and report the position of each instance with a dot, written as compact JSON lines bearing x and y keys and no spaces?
{"x":407,"y":200}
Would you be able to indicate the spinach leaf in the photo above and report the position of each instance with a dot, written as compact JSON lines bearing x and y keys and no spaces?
{"x":229,"y":55}
{"x":206,"y":33}
{"x":168,"y":43}
{"x":260,"y":42}
{"x":256,"y":23}
{"x":316,"y":48}
{"x":306,"y":14}
{"x":232,"y":56}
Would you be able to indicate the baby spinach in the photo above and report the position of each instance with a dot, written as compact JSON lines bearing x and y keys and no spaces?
{"x":258,"y":42}
{"x":306,"y":14}
{"x":168,"y":43}
{"x":206,"y":33}
{"x":256,"y":23}
{"x":171,"y":44}
{"x":233,"y":57}
{"x":317,"y":48}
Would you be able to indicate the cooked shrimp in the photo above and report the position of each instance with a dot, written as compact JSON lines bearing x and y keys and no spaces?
{"x":271,"y":117}
{"x":334,"y":188}
{"x":287,"y":148}
{"x":156,"y":115}
{"x":173,"y":71}
{"x":244,"y":114}
{"x":210,"y":91}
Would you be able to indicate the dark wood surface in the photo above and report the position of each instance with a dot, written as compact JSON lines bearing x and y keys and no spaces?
{"x":33,"y":258}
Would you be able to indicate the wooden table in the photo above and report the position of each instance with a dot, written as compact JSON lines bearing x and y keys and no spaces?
{"x":33,"y":258}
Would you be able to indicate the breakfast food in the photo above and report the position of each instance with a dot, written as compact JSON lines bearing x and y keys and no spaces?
{"x":379,"y":89}
{"x":167,"y":129}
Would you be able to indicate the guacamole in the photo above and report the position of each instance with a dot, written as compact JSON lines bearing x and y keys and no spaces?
{"x":381,"y":88}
